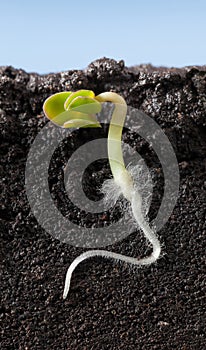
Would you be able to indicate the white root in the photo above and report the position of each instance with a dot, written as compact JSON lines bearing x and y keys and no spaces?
{"x":136,"y":206}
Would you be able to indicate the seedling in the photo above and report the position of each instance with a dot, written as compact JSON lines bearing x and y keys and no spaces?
{"x":78,"y":109}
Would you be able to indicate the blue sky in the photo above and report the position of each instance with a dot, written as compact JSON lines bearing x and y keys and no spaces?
{"x":50,"y":36}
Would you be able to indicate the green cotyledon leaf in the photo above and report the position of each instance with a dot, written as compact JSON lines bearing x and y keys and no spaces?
{"x":54,"y":105}
{"x":85,"y":105}
{"x":81,"y":93}
{"x":81,"y":106}
{"x":81,"y":123}
{"x":67,"y":116}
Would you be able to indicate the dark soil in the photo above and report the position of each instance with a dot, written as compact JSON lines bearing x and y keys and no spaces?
{"x":109,"y":306}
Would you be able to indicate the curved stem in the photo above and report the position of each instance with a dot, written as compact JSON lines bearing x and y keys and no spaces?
{"x":116,"y":161}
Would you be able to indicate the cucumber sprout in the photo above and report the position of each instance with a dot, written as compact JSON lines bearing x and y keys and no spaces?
{"x":78,"y":109}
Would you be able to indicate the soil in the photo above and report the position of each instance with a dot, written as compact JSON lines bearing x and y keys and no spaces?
{"x":109,"y":306}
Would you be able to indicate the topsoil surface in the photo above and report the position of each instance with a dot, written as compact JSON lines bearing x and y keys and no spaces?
{"x":110,"y":306}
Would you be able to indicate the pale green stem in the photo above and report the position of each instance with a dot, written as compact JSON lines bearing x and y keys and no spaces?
{"x":116,"y":161}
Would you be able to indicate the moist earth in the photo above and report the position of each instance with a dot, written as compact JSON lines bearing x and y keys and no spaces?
{"x":109,"y":306}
